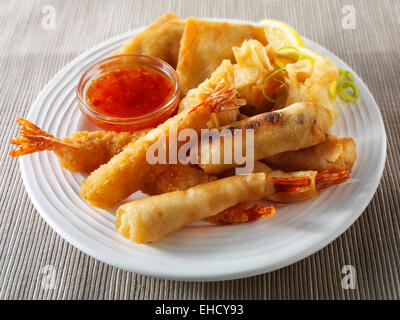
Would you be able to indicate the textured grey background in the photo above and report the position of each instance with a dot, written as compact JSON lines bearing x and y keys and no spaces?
{"x":30,"y":56}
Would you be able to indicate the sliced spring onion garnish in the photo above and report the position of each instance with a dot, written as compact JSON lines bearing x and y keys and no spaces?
{"x":289,"y":48}
{"x":283,"y":84}
{"x":344,"y":81}
{"x":345,"y":75}
{"x":344,"y":84}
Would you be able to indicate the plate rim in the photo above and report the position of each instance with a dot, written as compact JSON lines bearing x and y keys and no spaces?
{"x":112,"y":257}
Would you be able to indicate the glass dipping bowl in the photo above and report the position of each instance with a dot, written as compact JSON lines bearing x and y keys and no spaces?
{"x":122,"y":62}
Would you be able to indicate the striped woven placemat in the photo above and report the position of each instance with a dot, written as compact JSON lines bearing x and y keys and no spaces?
{"x":31,"y":52}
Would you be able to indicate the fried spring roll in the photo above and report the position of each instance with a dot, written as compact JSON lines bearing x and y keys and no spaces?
{"x":292,"y":128}
{"x":180,"y":177}
{"x":318,"y":181}
{"x":334,"y":152}
{"x":152,"y":218}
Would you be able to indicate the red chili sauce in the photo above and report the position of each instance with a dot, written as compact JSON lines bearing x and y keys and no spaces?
{"x":129,"y":93}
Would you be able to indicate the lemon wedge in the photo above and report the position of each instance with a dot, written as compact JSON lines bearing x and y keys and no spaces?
{"x":280,"y":34}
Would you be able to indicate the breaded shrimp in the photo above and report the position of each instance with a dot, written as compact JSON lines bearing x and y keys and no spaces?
{"x":86,"y":151}
{"x":83,"y":152}
{"x":242,"y":212}
{"x":173,"y":177}
{"x":126,"y":172}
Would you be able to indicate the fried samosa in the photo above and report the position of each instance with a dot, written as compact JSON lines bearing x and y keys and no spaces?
{"x":161,"y":39}
{"x":205,"y":44}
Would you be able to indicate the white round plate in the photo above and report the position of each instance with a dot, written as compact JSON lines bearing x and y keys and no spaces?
{"x":201,"y":251}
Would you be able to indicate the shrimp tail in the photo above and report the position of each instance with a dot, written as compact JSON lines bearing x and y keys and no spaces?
{"x":222,"y":98}
{"x":33,"y":139}
{"x":330,"y":177}
{"x":291,"y":184}
{"x":243,"y":212}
